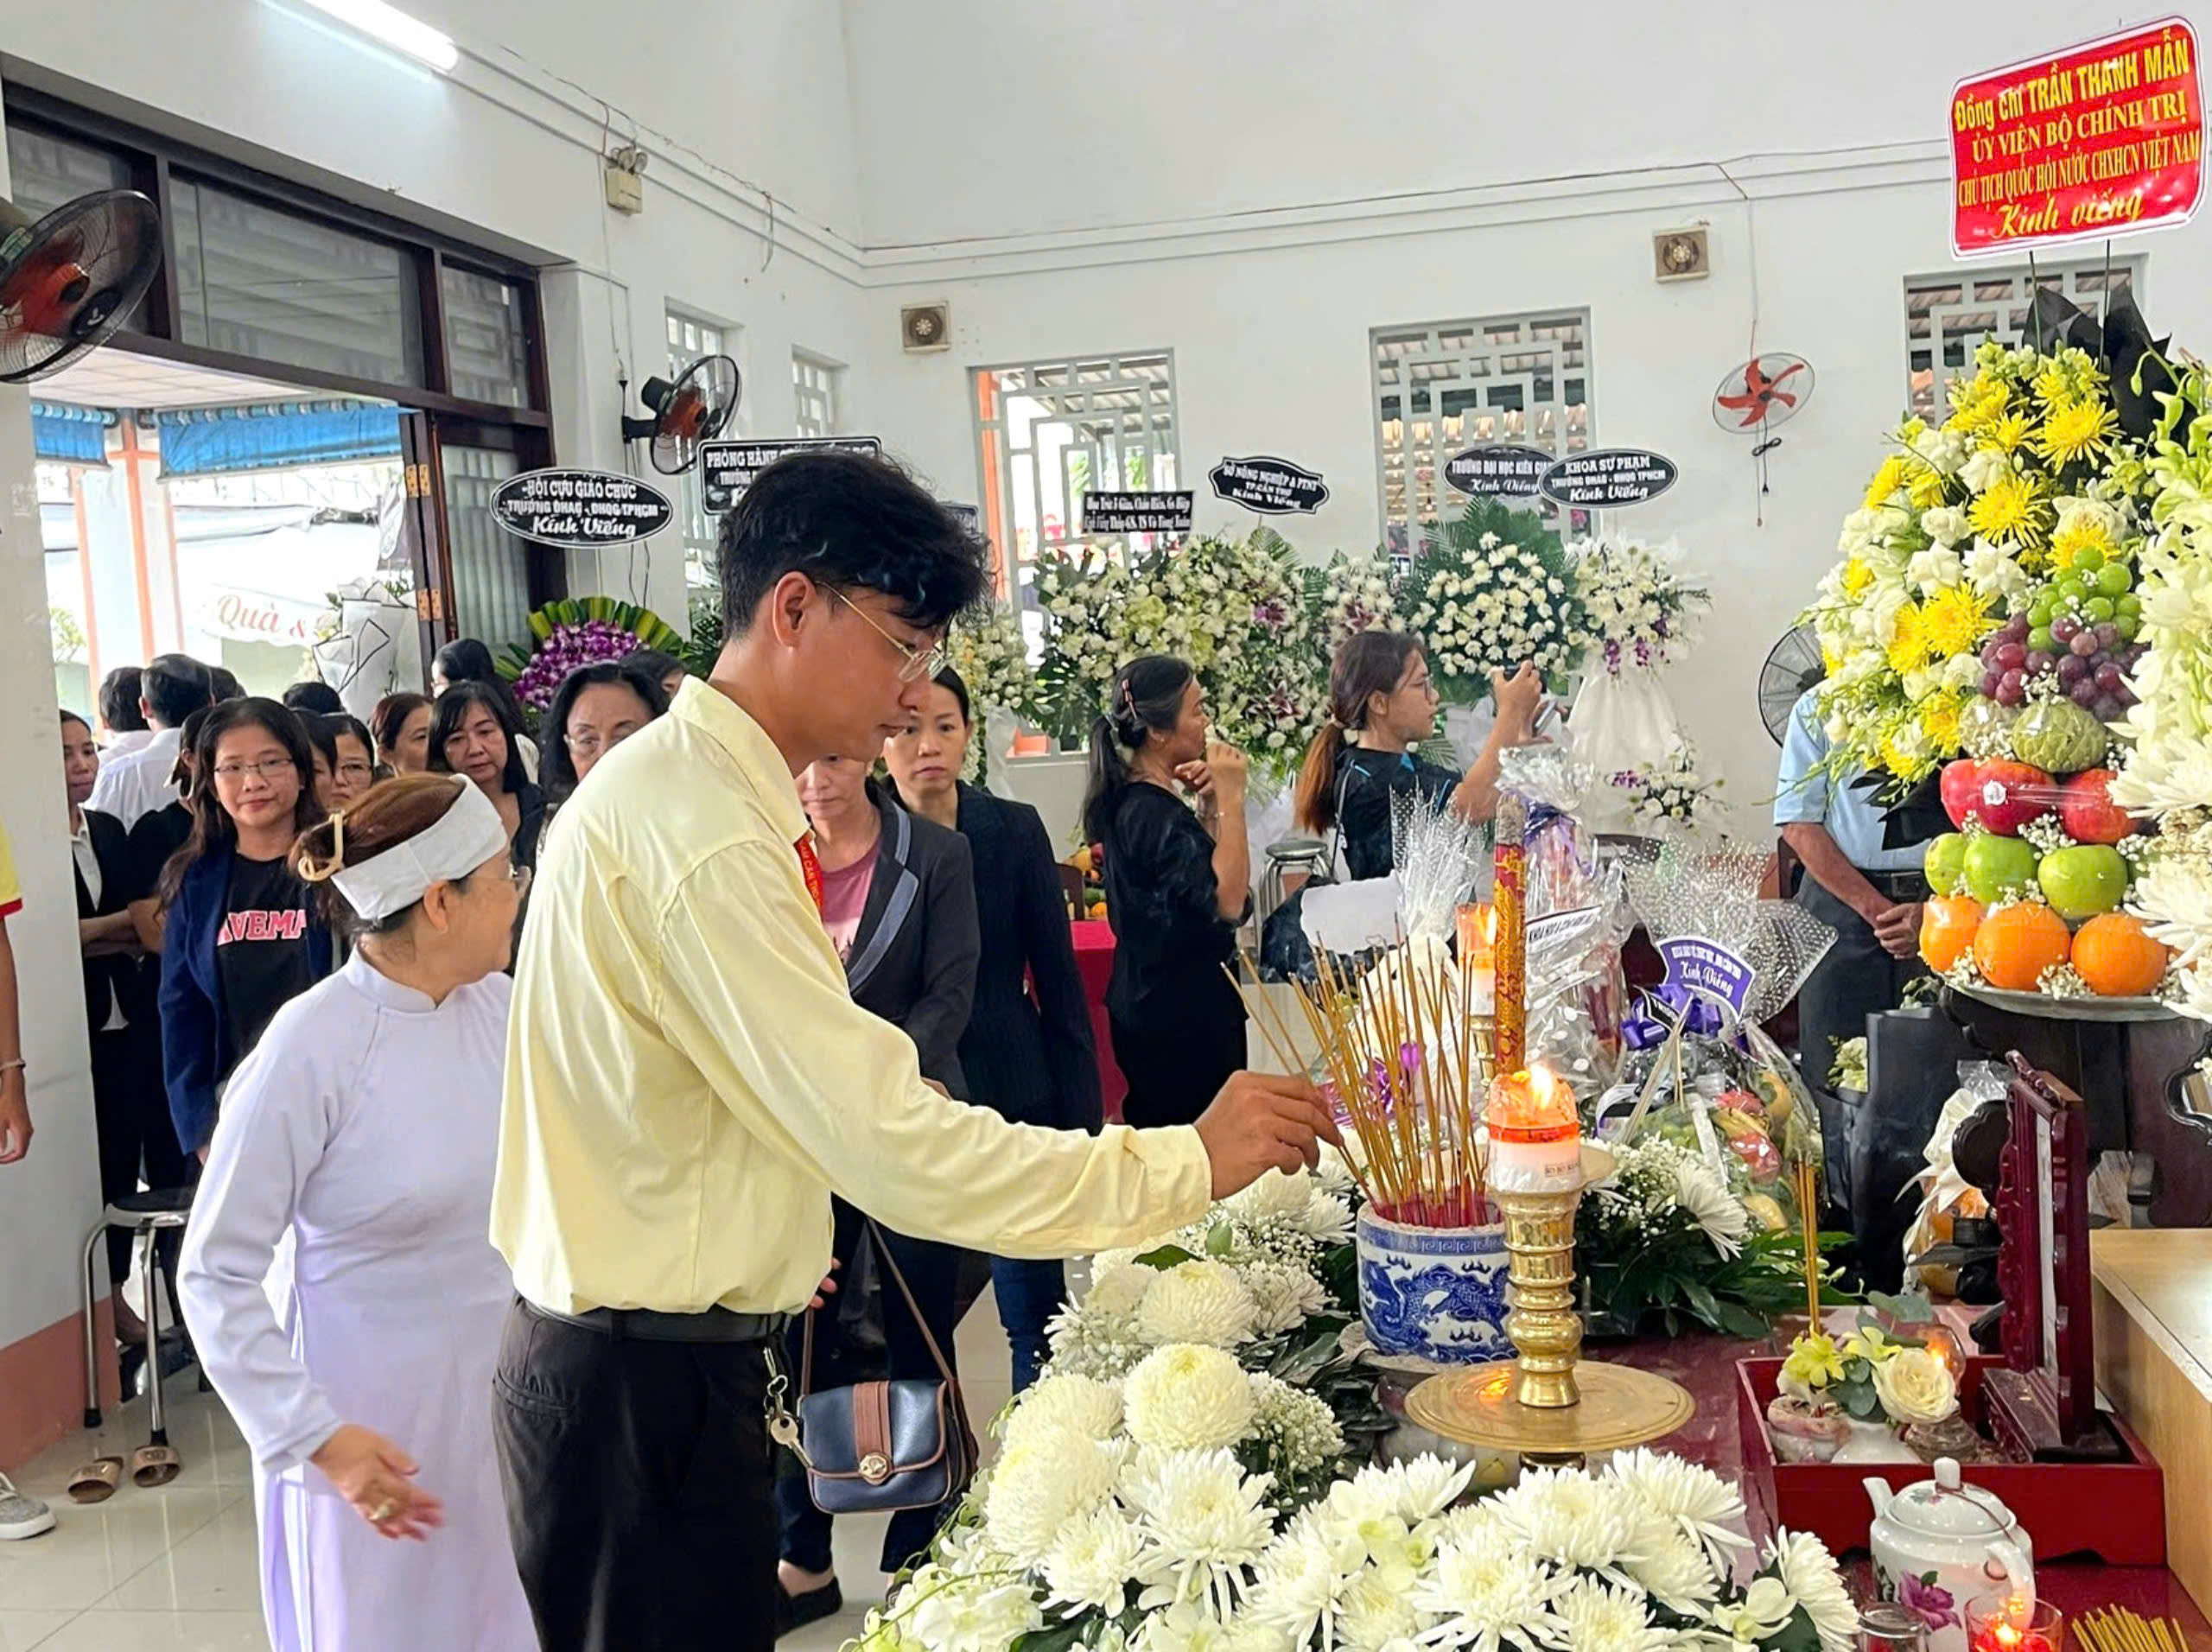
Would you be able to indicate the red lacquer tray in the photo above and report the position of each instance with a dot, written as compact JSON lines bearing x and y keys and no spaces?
{"x":2115,"y":1510}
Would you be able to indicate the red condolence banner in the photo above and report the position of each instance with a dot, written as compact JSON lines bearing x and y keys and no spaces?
{"x":2100,"y":140}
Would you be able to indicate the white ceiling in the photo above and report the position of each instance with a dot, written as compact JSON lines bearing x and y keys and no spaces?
{"x":114,"y":378}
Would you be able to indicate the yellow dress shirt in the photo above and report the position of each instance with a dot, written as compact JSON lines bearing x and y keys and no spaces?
{"x":687,"y":1078}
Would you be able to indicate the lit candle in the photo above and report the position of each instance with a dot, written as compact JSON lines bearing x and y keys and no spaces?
{"x":1535,"y":1135}
{"x":1477,"y":927}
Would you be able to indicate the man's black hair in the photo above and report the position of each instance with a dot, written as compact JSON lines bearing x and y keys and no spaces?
{"x":119,"y":692}
{"x":173,"y":687}
{"x":315,"y":696}
{"x":851,"y":523}
{"x":225,"y":683}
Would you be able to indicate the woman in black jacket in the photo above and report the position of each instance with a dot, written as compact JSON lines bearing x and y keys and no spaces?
{"x":899,"y":899}
{"x":1032,"y":1059}
{"x":473,"y":732}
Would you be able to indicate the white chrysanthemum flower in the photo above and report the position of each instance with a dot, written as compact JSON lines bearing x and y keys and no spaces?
{"x":1283,"y":1297}
{"x":1188,"y":1627}
{"x":1597,"y":1617}
{"x":1188,"y":1397}
{"x":1670,"y":1568}
{"x":1333,"y":1174}
{"x":1296,"y":1585}
{"x":1080,"y":1404}
{"x":1272,"y":1195}
{"x":1703,"y":1507}
{"x":1205,"y":1519}
{"x":1039,"y":1485}
{"x":1564,"y":1515}
{"x":1421,"y":1488}
{"x":1108,"y":1262}
{"x":1327,"y":1216}
{"x":1486,"y":1589}
{"x":1701,"y":1191}
{"x":961,"y":1615}
{"x":1808,"y":1572}
{"x":1117,"y":1292}
{"x":1097,"y":1557}
{"x":1376,"y":1613}
{"x":1197,"y":1302}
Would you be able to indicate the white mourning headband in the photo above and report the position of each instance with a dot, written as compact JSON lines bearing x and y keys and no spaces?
{"x":462,"y":839}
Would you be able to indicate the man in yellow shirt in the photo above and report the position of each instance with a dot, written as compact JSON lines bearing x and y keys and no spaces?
{"x":688,"y":1079}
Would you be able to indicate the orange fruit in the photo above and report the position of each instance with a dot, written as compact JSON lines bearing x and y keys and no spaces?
{"x":2117,"y":956}
{"x":1947,"y":923}
{"x":2016,"y":944}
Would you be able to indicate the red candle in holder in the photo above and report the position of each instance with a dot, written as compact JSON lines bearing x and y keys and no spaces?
{"x":2011,"y":1623}
{"x":1535,"y":1135}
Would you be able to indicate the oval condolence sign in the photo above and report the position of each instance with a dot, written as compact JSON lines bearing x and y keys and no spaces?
{"x":581,"y":507}
{"x":1270,"y":486}
{"x":1497,"y":470}
{"x":1610,"y":476}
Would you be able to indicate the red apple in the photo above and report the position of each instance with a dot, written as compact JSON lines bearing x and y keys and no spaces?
{"x":2089,"y":813}
{"x":2008,"y":795}
{"x":1960,"y":789}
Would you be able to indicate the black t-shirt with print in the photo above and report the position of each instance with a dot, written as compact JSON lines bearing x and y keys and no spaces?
{"x":261,"y":951}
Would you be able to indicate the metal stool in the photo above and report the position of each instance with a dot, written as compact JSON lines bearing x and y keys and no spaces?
{"x":1284,"y":856}
{"x":145,"y":1215}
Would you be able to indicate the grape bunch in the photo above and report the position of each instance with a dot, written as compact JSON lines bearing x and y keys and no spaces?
{"x":2077,"y":637}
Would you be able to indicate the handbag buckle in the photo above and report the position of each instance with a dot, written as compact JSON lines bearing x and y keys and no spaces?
{"x":875,"y":1468}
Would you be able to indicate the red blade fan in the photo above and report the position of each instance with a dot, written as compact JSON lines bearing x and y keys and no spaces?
{"x":691,"y":410}
{"x":1762,"y":393}
{"x":69,"y":279}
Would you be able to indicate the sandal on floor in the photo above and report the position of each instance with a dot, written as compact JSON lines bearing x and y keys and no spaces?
{"x":96,"y":1481}
{"x":155,"y":1466}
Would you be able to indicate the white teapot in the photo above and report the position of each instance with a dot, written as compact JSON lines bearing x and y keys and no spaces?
{"x":1939,"y":1543}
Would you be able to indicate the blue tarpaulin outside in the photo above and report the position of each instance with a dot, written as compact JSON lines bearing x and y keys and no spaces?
{"x":212,"y":441}
{"x":71,"y":435}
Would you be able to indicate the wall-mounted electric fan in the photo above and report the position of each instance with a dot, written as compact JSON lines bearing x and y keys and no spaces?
{"x":690,"y":410}
{"x":68,"y":279}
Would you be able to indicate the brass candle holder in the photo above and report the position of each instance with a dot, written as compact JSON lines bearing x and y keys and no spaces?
{"x":1542,"y":1324}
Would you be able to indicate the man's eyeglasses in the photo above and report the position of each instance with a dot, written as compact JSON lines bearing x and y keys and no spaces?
{"x":916,"y":663}
{"x":266,"y":771}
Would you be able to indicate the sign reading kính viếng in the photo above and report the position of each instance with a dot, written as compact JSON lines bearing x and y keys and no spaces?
{"x":2100,"y":139}
{"x":726,"y":468}
{"x":1269,"y":486}
{"x":1168,"y":512}
{"x":1607,"y":477}
{"x":580,"y":508}
{"x":1498,"y":470}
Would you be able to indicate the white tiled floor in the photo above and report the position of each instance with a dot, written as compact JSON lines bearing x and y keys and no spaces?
{"x":174,"y":1570}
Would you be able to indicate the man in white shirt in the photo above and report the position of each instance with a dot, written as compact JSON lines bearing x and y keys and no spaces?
{"x":121,"y":690}
{"x":134,"y":786}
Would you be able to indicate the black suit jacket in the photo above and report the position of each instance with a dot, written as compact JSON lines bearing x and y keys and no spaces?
{"x":913,"y":960}
{"x":1032,"y":1059}
{"x":115,"y":978}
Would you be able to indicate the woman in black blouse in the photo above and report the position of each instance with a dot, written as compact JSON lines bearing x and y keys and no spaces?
{"x":1032,"y":1059}
{"x":1380,"y":705}
{"x":473,"y":732}
{"x":1177,"y":883}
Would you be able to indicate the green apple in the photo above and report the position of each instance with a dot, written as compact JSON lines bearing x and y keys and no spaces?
{"x":2083,"y":880}
{"x":1997,"y":867}
{"x":1947,"y":863}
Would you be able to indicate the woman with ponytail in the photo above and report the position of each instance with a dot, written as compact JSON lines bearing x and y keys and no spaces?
{"x":1381,"y":704}
{"x":366,"y":1127}
{"x":1177,"y":883}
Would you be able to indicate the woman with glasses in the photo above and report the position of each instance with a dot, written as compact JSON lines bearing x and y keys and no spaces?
{"x":1027,"y":1053}
{"x":240,"y":940}
{"x":365,"y":1127}
{"x":595,"y":708}
{"x":466,"y":659}
{"x":344,"y":767}
{"x":402,"y":723}
{"x":473,"y":732}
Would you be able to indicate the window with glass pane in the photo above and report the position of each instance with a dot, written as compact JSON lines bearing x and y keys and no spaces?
{"x":487,"y":339}
{"x":256,"y":280}
{"x":46,"y":172}
{"x":1524,"y":379}
{"x":690,"y":339}
{"x":1948,"y":317}
{"x":814,"y":394}
{"x":490,"y":566}
{"x":1048,"y":432}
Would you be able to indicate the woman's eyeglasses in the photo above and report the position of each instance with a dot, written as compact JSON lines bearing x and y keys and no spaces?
{"x":916,"y":662}
{"x":267,"y":771}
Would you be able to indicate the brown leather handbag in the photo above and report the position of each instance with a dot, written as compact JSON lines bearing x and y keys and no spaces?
{"x":877,"y":1447}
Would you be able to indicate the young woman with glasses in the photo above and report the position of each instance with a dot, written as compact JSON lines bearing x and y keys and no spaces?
{"x":241,"y":938}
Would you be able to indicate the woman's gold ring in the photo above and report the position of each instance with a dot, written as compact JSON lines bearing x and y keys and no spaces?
{"x":383,"y":1512}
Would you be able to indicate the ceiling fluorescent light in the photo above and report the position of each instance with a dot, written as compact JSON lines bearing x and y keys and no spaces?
{"x":395,"y":29}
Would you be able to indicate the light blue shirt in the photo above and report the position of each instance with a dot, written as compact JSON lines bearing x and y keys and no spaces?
{"x":1805,"y":796}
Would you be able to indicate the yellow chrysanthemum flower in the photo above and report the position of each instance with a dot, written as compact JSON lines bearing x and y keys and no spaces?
{"x":1925,"y":489}
{"x":1952,"y":621}
{"x":1939,"y":721}
{"x":1976,"y":405}
{"x":2075,"y":430}
{"x":1887,"y":481}
{"x":1858,"y":575}
{"x":1900,"y":762}
{"x":1831,"y":661}
{"x":1908,"y":649}
{"x":2013,"y":509}
{"x":2084,"y":531}
{"x":2011,"y":433}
